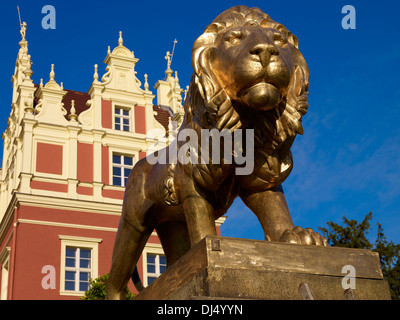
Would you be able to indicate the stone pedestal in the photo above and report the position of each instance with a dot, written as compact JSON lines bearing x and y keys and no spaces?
{"x":229,"y":268}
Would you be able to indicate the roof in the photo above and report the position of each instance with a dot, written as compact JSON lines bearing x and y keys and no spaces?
{"x":80,"y":98}
{"x":162,"y":116}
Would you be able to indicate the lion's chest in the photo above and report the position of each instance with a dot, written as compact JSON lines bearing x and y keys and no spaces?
{"x":269,"y":170}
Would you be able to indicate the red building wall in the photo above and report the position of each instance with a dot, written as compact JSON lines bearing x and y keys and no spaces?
{"x":106,"y":114}
{"x":140,"y":119}
{"x":85,"y":162}
{"x":35,"y":245}
{"x":49,"y":158}
{"x":38,"y":245}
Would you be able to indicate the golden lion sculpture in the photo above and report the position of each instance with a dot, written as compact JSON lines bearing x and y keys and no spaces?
{"x":248,"y":74}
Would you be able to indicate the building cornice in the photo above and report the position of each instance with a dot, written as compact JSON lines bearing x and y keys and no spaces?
{"x":45,"y":201}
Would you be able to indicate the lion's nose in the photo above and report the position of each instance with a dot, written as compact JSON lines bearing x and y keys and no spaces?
{"x":264,"y":51}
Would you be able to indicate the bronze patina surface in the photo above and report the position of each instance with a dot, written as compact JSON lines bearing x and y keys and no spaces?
{"x":250,"y":75}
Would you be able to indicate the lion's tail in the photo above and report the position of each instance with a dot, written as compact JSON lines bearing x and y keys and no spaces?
{"x":136,"y":280}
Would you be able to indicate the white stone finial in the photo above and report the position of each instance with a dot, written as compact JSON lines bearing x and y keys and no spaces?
{"x":73,"y":110}
{"x":41,"y":83}
{"x":120,"y":40}
{"x":52,"y":73}
{"x":28,"y":70}
{"x":96,"y":75}
{"x":29,"y":104}
{"x":62,"y":85}
{"x":170,"y":126}
{"x":108,"y":50}
{"x":146,"y":83}
{"x":72,"y":116}
{"x":52,"y":84}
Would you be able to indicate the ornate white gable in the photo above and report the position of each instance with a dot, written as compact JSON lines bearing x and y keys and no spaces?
{"x":120,"y":70}
{"x":51,"y":107}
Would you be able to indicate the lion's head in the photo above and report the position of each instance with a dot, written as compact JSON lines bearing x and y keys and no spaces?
{"x":248,"y":72}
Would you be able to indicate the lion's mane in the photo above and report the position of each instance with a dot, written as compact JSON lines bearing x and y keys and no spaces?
{"x":208,"y":106}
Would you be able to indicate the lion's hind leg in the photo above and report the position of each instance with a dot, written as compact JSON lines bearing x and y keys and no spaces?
{"x":174,"y":237}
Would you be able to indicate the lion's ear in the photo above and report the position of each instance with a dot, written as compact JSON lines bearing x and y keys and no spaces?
{"x":205,"y":77}
{"x":293,"y":40}
{"x":297,"y":98}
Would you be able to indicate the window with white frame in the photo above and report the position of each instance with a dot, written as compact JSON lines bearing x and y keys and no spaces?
{"x":78,"y":269}
{"x":156,"y":265}
{"x":79,"y":263}
{"x":122,"y":119}
{"x":122,"y":166}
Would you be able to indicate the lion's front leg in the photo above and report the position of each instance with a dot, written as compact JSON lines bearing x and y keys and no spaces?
{"x":272,"y":211}
{"x":199,"y":213}
{"x":303,"y":236}
{"x":199,"y":218}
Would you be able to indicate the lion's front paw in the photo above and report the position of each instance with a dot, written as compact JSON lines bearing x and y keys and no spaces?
{"x":303,"y":236}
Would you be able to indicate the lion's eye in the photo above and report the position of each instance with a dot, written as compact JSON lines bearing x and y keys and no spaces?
{"x":235,"y":41}
{"x":234,"y":38}
{"x":279,"y":39}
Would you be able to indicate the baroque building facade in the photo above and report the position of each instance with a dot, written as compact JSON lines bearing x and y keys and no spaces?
{"x":66,"y":158}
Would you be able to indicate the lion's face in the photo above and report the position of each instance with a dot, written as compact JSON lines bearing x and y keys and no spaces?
{"x":245,"y":60}
{"x":254,"y":65}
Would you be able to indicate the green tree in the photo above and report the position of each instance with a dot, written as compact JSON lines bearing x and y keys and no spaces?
{"x":354,"y":235}
{"x":97,"y":289}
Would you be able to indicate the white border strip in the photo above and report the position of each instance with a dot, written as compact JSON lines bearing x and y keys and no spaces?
{"x":66,"y":225}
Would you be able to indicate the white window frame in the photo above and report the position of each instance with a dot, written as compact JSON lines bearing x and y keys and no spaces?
{"x":77,"y":269}
{"x":154,"y":249}
{"x":81,"y":243}
{"x":121,"y":116}
{"x":122,"y":166}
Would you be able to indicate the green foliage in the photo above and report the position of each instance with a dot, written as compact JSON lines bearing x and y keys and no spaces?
{"x":389,"y":254}
{"x":354,"y":235}
{"x":97,"y":289}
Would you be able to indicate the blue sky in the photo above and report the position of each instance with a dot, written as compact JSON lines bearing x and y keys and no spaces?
{"x":346,"y":163}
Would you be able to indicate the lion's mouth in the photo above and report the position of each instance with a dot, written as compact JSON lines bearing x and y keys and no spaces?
{"x":262,"y":96}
